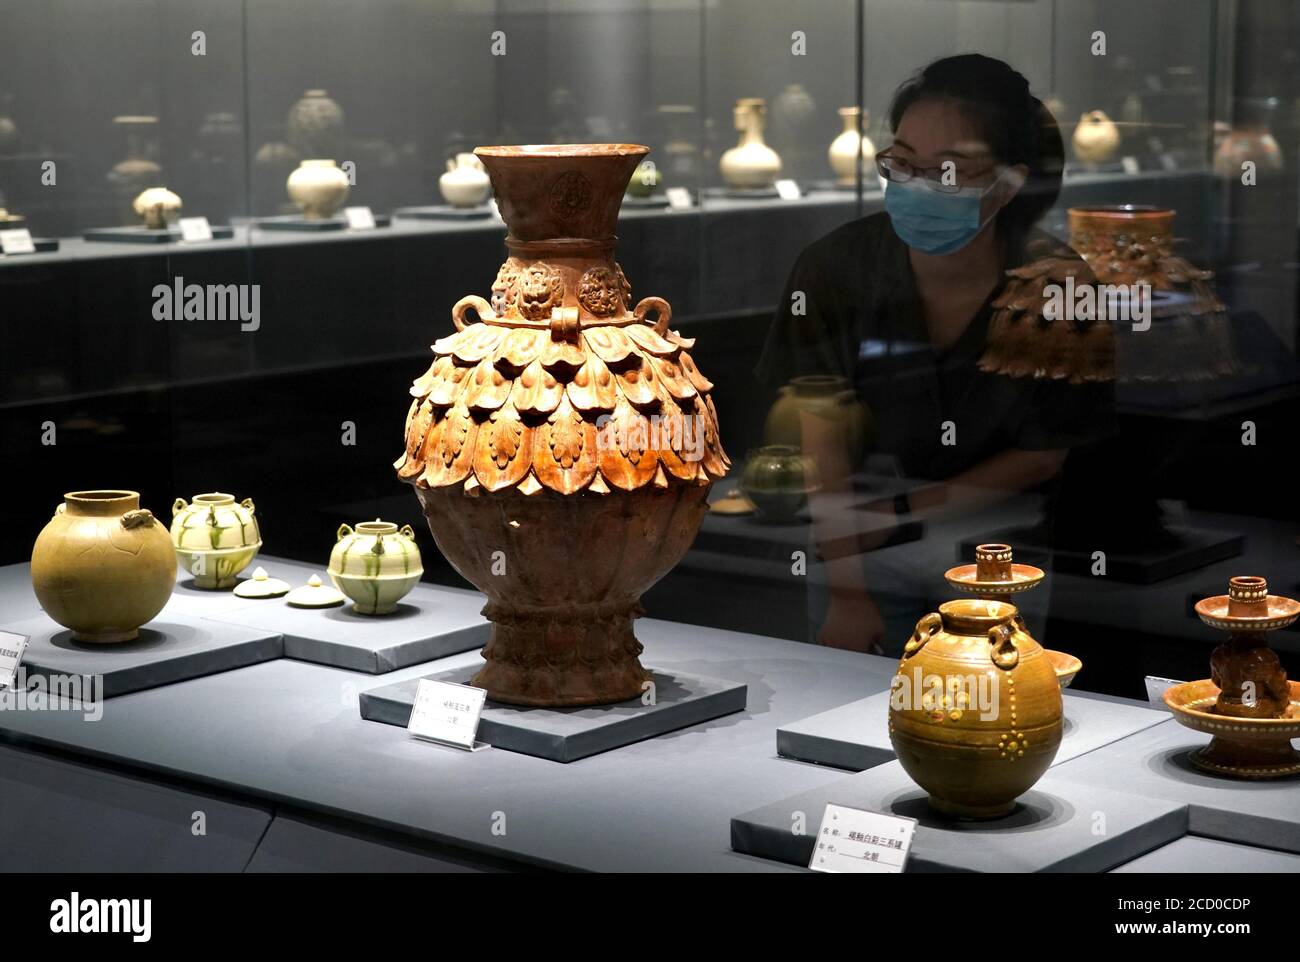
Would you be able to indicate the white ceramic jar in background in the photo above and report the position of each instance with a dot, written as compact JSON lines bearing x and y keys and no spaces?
{"x":751,"y":164}
{"x":319,"y":188}
{"x":465,"y":183}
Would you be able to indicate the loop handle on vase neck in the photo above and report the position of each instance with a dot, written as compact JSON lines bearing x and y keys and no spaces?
{"x":481,"y":307}
{"x":344,"y":531}
{"x":926,"y":629}
{"x":178,"y":506}
{"x":663,"y":313}
{"x":248,"y":504}
{"x":1005,"y":654}
{"x":407,"y":532}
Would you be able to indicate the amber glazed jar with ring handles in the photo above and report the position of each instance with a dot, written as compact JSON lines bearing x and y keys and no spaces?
{"x":103,"y":566}
{"x":975,"y":713}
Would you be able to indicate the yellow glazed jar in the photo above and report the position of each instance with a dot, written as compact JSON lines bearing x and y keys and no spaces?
{"x":215,"y":537}
{"x":975,"y":711}
{"x":375,"y":564}
{"x":103,"y":566}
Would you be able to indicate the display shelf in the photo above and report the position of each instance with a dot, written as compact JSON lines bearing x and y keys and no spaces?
{"x":287,"y":729}
{"x":67,"y":816}
{"x":855,"y":736}
{"x":1052,"y":829}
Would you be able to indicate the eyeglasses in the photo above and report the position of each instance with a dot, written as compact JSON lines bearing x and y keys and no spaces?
{"x":945,"y":181}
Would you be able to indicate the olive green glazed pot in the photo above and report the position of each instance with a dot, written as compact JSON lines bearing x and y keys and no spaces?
{"x":375,"y":564}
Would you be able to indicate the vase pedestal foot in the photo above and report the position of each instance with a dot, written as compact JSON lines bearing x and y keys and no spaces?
{"x":580,"y":655}
{"x":106,"y":637}
{"x":978,"y":813}
{"x":1248,"y":759}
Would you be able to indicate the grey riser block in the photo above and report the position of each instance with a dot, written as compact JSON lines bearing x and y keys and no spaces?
{"x":855,"y":736}
{"x":1052,"y":829}
{"x":173,"y":647}
{"x":1197,"y":855}
{"x":568,"y":734}
{"x":1154,"y":763}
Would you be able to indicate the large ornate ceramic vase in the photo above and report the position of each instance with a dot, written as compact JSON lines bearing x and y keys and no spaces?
{"x":563,"y":443}
{"x":975,"y":712}
{"x":103,"y":566}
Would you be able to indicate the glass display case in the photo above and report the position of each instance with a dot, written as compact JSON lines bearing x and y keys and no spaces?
{"x":232,"y":230}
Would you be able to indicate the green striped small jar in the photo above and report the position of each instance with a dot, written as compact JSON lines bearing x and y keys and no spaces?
{"x":215,"y":537}
{"x":375,"y":564}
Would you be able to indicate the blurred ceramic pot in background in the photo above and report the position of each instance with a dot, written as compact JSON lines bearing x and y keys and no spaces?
{"x":319,"y":188}
{"x":778,"y":478}
{"x":1096,"y":138}
{"x":158,"y":207}
{"x":465,"y":183}
{"x":751,"y":164}
{"x":830,"y":399}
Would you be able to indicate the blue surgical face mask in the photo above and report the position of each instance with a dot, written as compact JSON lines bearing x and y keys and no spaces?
{"x":933,"y":222}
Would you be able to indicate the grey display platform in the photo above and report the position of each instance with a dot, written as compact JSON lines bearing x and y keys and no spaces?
{"x":1154,"y":764}
{"x":297,"y":844}
{"x":139,"y":234}
{"x":1194,"y":854}
{"x":173,"y":647}
{"x":61,"y":816}
{"x":1058,"y":826}
{"x":443,"y":212}
{"x":429,"y":623}
{"x":855,"y":736}
{"x":568,"y":734}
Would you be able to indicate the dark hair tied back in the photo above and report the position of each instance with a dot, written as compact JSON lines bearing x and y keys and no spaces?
{"x":1014,"y":124}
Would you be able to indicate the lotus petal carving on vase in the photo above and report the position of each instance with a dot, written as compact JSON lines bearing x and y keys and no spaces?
{"x":563,"y":445}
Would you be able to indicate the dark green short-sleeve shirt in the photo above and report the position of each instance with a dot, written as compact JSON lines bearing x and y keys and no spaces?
{"x":851,"y":308}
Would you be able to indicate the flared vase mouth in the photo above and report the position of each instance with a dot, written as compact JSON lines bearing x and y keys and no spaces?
{"x":375,"y":527}
{"x":975,"y":616}
{"x":813,"y":384}
{"x":560,"y":192}
{"x":1123,"y":211}
{"x":563,"y":150}
{"x":212,"y":499}
{"x":107,"y":502}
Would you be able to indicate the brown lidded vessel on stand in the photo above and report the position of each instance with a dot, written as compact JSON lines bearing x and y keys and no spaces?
{"x":1247,"y":704}
{"x":564,"y":445}
{"x":975,"y":711}
{"x":993,"y":577}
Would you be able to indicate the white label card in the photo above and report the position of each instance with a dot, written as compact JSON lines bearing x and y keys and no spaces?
{"x":195,"y":229}
{"x":788,"y":189}
{"x":679,"y":198}
{"x":853,"y":840}
{"x":1156,"y":688}
{"x":446,"y":712}
{"x":360,"y":218}
{"x":17,"y":241}
{"x":1130,"y":165}
{"x":12,"y":647}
